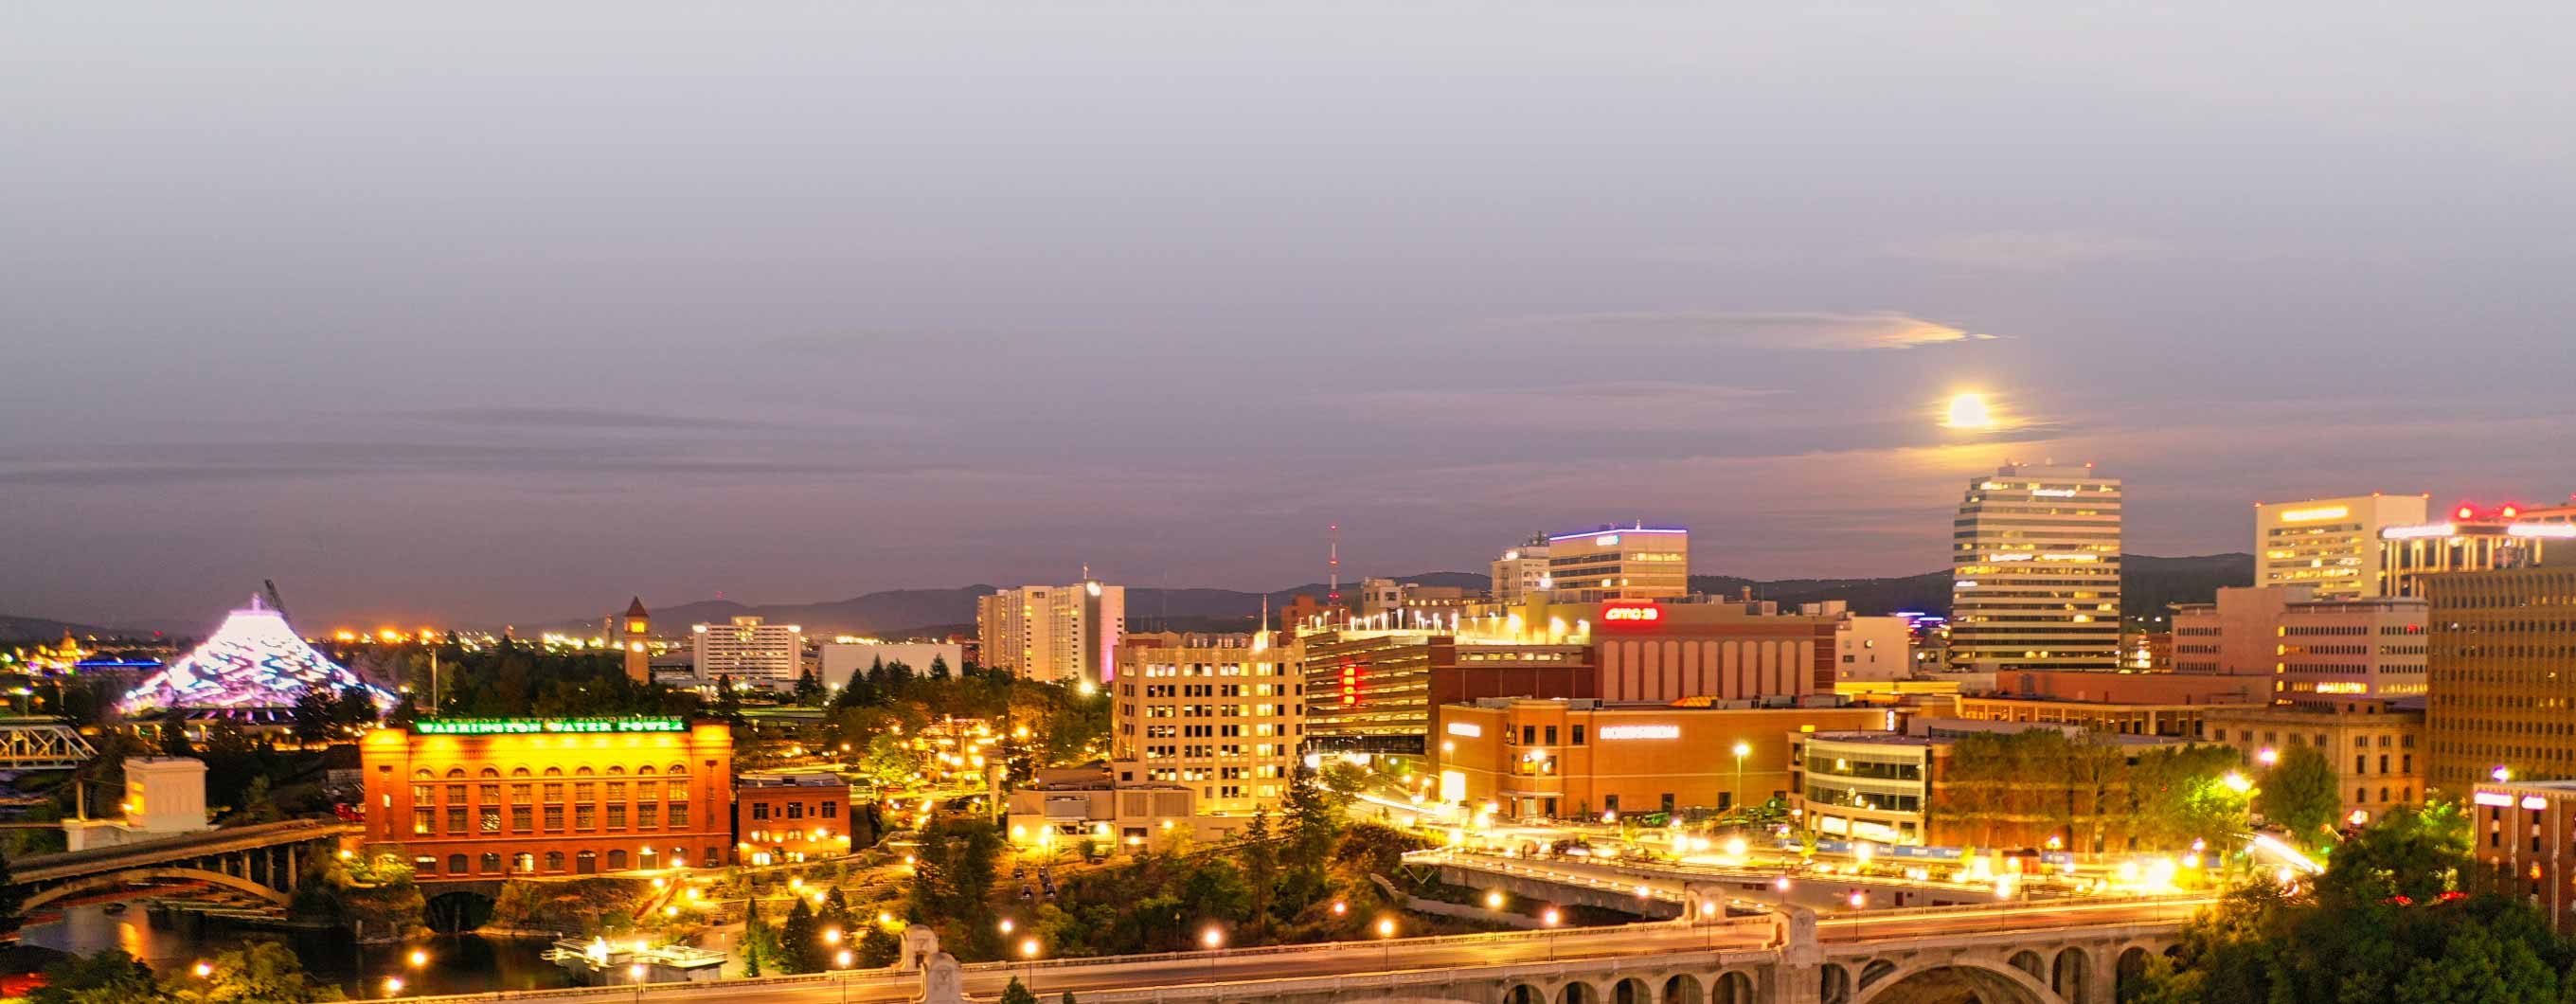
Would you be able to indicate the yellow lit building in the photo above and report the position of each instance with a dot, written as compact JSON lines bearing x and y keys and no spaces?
{"x":1581,"y":759}
{"x":2330,"y":546}
{"x":2035,"y":571}
{"x":1222,"y":714}
{"x":1637,"y":562}
{"x":504,"y":798}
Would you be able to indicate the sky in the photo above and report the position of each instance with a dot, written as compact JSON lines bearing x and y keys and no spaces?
{"x":487,"y":312}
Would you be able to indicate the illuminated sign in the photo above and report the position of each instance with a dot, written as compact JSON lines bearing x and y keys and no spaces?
{"x":2495,"y":798}
{"x":1641,"y":732}
{"x":1643,"y":613}
{"x":2343,"y":688}
{"x":2542,"y":530}
{"x":1470,"y":730}
{"x":542,"y":726}
{"x":2008,"y":557}
{"x":2060,"y":493}
{"x":1350,"y":683}
{"x":1611,"y":540}
{"x":2318,"y":513}
{"x":2534,"y":802}
{"x":2411,"y":532}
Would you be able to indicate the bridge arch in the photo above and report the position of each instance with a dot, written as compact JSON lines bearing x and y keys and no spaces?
{"x":2072,"y":975}
{"x":1963,"y":979}
{"x":1733,"y":986}
{"x":1523,"y":993}
{"x":1578,"y":992}
{"x":1631,"y":990}
{"x":137,"y":876}
{"x":1682,"y":988}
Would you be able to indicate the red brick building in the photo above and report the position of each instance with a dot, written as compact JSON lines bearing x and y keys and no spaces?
{"x":498,"y":798}
{"x":779,"y":818}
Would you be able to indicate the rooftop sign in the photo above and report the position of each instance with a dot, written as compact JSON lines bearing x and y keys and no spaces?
{"x":542,"y":726}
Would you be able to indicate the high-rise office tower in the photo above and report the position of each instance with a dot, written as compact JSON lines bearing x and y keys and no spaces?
{"x":1220,"y":713}
{"x":2328,"y":545}
{"x":2497,"y":672}
{"x":749,"y":651}
{"x":1059,"y":634}
{"x":1637,"y":562}
{"x":2035,"y":571}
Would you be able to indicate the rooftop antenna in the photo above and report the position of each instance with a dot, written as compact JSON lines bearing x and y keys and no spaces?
{"x":1333,"y":567}
{"x":274,"y":603}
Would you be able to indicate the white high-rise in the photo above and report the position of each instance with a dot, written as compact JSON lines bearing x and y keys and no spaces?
{"x":1521,"y":571}
{"x":2329,"y":545}
{"x":2035,"y":571}
{"x":749,"y":651}
{"x":1058,"y":634}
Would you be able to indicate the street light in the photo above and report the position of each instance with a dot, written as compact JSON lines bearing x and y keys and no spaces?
{"x":393,"y":986}
{"x":1214,"y":939}
{"x":1386,"y":932}
{"x":204,"y":970}
{"x":635,"y":975}
{"x":417,"y":958}
{"x":1742,"y":750}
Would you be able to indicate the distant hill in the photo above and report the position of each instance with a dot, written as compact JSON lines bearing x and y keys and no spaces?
{"x":41,"y":629}
{"x":2148,"y":585}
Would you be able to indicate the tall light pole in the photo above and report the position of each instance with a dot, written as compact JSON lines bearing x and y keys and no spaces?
{"x":1742,"y":750}
{"x":1386,"y":942}
{"x":1214,"y":939}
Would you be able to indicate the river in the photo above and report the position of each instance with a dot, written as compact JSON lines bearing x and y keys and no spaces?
{"x":456,"y":964}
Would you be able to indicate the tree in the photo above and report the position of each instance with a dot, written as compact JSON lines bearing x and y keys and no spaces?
{"x":1017,"y":994}
{"x":2301,"y":794}
{"x":799,"y":940}
{"x":262,"y":972}
{"x":1260,"y":868}
{"x":835,"y":915}
{"x":2477,"y":967}
{"x":109,"y":977}
{"x":809,"y":691}
{"x":13,"y":898}
{"x":939,"y":667}
{"x":879,"y":948}
{"x":174,"y":736}
{"x":312,"y":715}
{"x":728,"y":702}
{"x":756,"y":939}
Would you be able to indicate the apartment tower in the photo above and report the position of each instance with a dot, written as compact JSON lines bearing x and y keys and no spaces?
{"x":2035,"y":571}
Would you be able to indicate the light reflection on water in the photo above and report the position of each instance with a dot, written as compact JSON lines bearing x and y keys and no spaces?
{"x":457,"y":963}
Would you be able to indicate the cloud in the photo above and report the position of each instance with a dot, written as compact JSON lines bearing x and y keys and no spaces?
{"x":1632,"y":404}
{"x":1816,"y":331}
{"x":2028,"y":250}
{"x":581,"y":418}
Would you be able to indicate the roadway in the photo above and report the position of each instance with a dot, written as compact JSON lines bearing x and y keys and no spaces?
{"x":204,"y":842}
{"x":1446,"y":954}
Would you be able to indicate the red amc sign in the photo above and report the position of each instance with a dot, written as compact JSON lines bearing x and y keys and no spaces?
{"x":1631,"y":613}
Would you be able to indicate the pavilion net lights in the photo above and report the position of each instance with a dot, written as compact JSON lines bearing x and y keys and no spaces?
{"x":253,"y":661}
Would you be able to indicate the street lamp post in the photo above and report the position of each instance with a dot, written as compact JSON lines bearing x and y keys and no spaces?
{"x":1742,"y":750}
{"x":1214,"y":939}
{"x":635,"y":974}
{"x":843,"y":961}
{"x":1386,"y":942}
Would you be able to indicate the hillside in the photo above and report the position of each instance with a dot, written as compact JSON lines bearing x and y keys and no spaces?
{"x":2150,"y":583}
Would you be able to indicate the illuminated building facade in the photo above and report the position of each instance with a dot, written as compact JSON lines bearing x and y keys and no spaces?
{"x":2372,"y":743}
{"x":1521,"y":571}
{"x":2328,"y":545}
{"x":780,"y":818}
{"x":1073,"y":807}
{"x":2313,"y":650}
{"x":1538,"y":759}
{"x":751,"y":651}
{"x":2470,"y":541}
{"x":1055,"y":634}
{"x":1223,"y":714}
{"x":1899,"y":789}
{"x":498,"y":798}
{"x":2525,"y":833}
{"x":1637,"y":562}
{"x":2501,"y":690}
{"x":253,"y":662}
{"x":2035,"y":571}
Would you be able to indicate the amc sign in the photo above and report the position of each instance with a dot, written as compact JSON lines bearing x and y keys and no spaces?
{"x":1631,"y":613}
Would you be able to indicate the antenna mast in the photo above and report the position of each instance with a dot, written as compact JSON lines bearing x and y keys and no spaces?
{"x":1333,"y":568}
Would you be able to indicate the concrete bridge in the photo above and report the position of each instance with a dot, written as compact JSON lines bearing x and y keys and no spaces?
{"x":264,"y":860}
{"x":1995,"y":953}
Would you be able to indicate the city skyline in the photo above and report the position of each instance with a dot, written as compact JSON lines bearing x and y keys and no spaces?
{"x":803,"y":312}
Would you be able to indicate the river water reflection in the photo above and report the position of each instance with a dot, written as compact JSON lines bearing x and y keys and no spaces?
{"x":456,"y":964}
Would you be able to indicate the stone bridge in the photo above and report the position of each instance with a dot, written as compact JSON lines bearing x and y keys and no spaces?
{"x":264,"y":860}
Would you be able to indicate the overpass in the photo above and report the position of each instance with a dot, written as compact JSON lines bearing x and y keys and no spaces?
{"x":2066,"y":952}
{"x":265,"y":860}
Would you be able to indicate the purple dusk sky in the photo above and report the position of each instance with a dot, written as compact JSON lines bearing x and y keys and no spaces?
{"x":481,"y":312}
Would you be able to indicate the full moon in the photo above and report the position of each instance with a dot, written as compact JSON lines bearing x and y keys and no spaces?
{"x":1968,"y":411}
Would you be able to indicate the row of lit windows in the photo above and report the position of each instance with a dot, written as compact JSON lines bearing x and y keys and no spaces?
{"x":584,"y":862}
